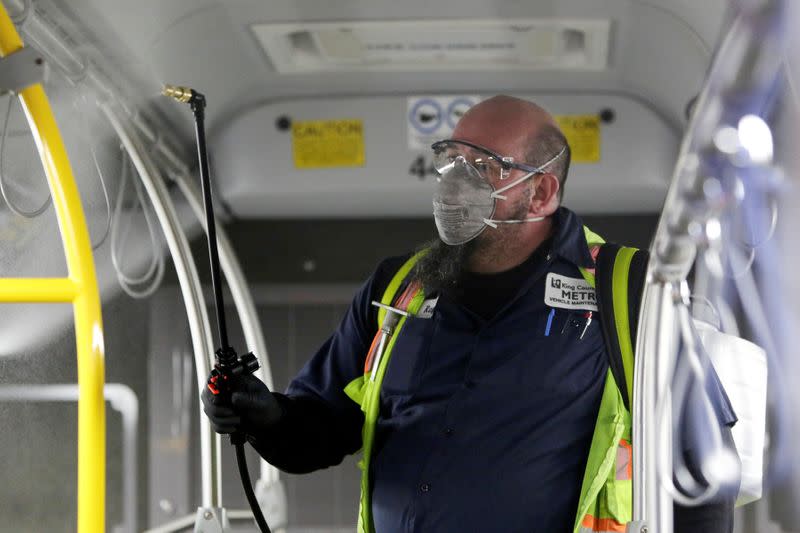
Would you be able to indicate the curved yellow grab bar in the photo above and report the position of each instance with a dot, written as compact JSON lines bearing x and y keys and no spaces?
{"x":80,"y":288}
{"x":39,"y":290}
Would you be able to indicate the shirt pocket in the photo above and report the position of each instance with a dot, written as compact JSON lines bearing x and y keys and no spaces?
{"x":408,"y":357}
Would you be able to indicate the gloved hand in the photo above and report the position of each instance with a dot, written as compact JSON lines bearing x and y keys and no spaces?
{"x":252,"y":408}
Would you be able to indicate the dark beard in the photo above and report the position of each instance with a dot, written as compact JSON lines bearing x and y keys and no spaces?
{"x":444,"y":265}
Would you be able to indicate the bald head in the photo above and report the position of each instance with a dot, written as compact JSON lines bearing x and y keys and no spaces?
{"x":518,"y":128}
{"x":513,"y":109}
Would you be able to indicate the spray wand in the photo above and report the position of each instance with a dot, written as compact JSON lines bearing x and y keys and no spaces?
{"x":228,"y":366}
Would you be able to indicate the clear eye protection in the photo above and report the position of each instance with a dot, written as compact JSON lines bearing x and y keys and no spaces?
{"x":491,"y":166}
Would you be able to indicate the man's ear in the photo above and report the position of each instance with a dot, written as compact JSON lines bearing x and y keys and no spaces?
{"x":544,"y":200}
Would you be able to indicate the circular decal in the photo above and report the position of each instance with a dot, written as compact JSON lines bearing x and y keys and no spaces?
{"x":426,"y":116}
{"x":456,"y":110}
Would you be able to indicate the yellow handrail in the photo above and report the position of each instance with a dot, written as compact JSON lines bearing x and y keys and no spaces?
{"x":80,"y":288}
{"x":37,"y":290}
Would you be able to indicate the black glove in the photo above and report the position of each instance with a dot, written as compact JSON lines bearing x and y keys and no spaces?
{"x":252,"y":409}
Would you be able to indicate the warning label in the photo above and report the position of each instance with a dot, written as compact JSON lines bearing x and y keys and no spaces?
{"x":569,"y":293}
{"x":583,"y":135}
{"x":328,"y":143}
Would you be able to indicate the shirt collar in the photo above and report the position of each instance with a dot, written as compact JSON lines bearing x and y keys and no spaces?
{"x":569,"y":239}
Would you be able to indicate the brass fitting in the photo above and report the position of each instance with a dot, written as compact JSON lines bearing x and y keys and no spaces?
{"x":181,"y":94}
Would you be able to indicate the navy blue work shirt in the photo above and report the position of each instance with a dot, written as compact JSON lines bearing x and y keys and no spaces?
{"x":485,"y":425}
{"x":485,"y":421}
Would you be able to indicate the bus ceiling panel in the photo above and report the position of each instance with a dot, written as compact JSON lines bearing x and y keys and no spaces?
{"x":302,"y":158}
{"x":664,"y":58}
{"x":213,"y":45}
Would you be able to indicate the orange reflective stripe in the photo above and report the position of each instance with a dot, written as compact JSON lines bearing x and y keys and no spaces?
{"x":594,"y":251}
{"x":402,"y":303}
{"x":602,"y":524}
{"x":624,"y":463}
{"x":409,"y":294}
{"x":371,"y":352}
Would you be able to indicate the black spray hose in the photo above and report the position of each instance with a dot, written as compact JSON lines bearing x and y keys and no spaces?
{"x":241,"y":460}
{"x":229,"y":366}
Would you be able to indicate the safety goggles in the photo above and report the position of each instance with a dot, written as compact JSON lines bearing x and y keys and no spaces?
{"x":492,"y":166}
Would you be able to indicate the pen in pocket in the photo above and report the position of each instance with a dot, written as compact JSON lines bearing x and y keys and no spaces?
{"x":549,"y":322}
{"x":588,"y":321}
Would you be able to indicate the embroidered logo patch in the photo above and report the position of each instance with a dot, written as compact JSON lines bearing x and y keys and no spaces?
{"x":426,"y":311}
{"x":569,"y":293}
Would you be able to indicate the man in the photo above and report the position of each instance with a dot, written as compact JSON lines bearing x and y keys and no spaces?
{"x":489,"y":402}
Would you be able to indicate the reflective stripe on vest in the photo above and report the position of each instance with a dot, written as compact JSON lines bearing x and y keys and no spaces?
{"x":605,"y":503}
{"x":365,"y":390}
{"x":593,"y":524}
{"x":606,"y":500}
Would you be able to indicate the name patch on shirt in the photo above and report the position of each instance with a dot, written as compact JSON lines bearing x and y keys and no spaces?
{"x":569,"y":293}
{"x":426,"y":310}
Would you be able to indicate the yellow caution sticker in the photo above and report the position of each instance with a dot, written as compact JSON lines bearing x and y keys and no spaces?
{"x":328,"y":143}
{"x":583,"y":135}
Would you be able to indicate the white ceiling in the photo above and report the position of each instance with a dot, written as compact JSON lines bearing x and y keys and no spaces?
{"x":659,"y":52}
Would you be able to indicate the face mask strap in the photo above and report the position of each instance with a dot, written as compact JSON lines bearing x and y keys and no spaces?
{"x":496,"y":194}
{"x":493,"y":223}
{"x":538,"y":170}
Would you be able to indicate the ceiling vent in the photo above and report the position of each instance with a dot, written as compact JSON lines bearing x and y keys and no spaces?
{"x":552,"y":44}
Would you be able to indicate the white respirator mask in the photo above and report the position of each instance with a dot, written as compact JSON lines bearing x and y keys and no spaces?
{"x":465,"y":199}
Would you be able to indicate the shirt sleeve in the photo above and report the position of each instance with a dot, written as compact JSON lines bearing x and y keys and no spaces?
{"x":341,"y":358}
{"x":320,"y":423}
